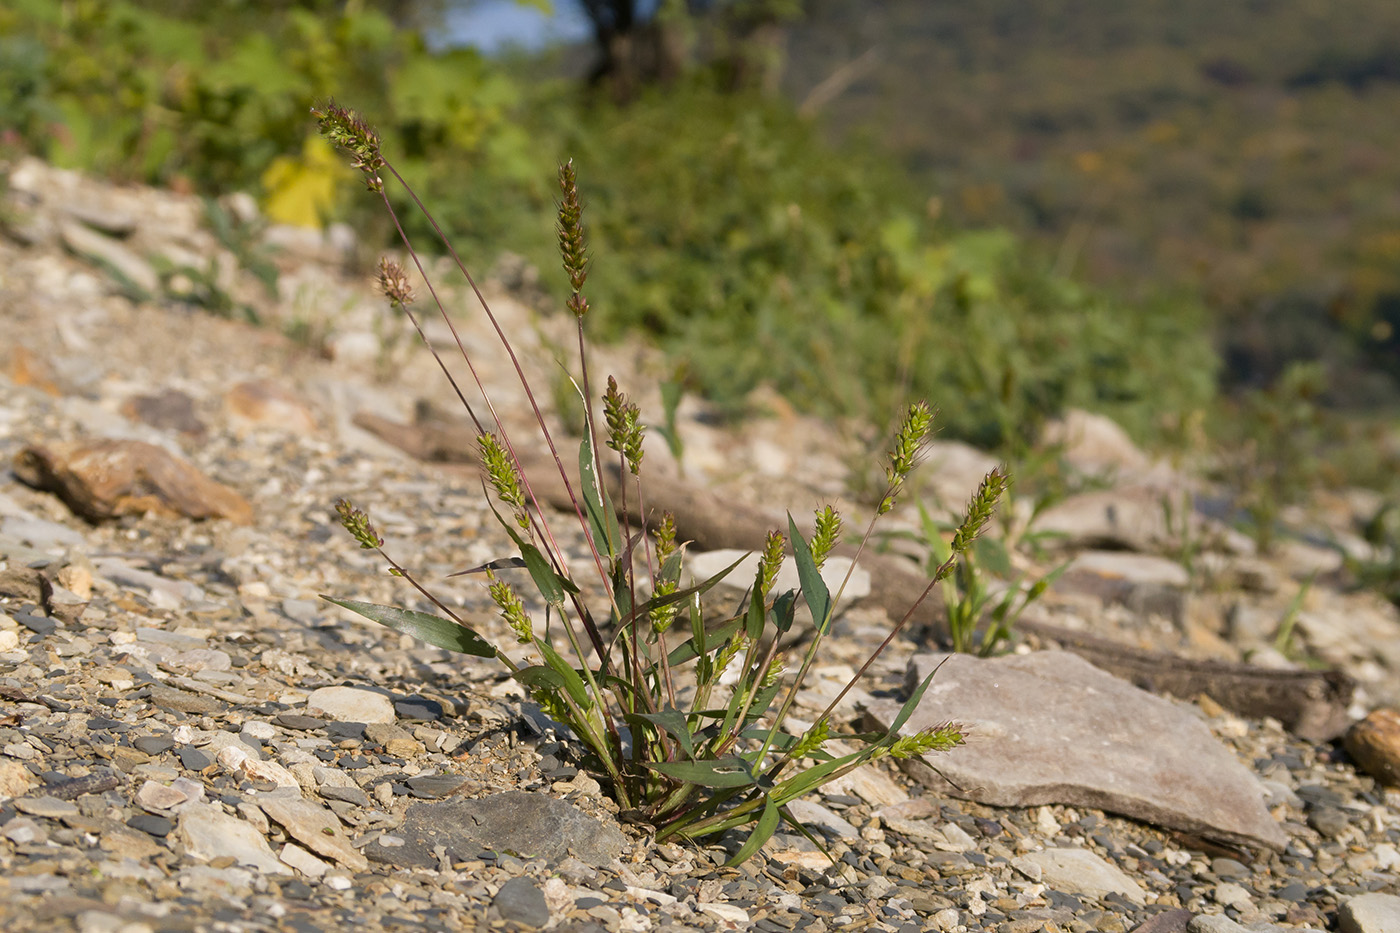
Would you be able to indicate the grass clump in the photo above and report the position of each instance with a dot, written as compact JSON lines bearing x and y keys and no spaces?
{"x":683,"y":710}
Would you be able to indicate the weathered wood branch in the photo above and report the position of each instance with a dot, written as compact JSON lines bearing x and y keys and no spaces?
{"x":1312,"y":704}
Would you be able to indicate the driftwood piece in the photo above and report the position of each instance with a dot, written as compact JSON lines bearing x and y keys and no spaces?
{"x":1312,"y":704}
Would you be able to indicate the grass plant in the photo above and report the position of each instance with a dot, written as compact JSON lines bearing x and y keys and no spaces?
{"x":682,"y":709}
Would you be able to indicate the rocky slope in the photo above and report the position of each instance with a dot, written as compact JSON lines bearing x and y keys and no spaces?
{"x":192,"y":740}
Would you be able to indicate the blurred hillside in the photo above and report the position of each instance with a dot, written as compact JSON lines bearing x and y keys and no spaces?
{"x":1243,"y":149}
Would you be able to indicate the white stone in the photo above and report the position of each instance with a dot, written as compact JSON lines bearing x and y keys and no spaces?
{"x":303,"y":861}
{"x":237,"y":758}
{"x":1078,"y":871}
{"x":209,"y":833}
{"x":726,"y":912}
{"x":348,"y":704}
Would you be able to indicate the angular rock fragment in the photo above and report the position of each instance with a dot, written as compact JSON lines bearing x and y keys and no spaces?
{"x":1051,"y":728}
{"x":517,"y":822}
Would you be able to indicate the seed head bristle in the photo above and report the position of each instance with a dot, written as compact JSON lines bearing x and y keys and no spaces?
{"x":980,"y":508}
{"x":511,"y":606}
{"x":624,"y":426}
{"x":572,"y":241}
{"x":826,"y":535}
{"x":358,"y":524}
{"x":393,"y":282}
{"x":347,"y":129}
{"x":772,"y":560}
{"x":909,"y":446}
{"x":501,"y":474}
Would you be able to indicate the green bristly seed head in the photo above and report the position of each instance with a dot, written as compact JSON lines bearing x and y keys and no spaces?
{"x":358,"y":524}
{"x":812,"y":740}
{"x":572,"y":246}
{"x":624,"y":426}
{"x":666,"y":536}
{"x":346,"y":129}
{"x":940,"y":739}
{"x":826,"y":536}
{"x":393,"y":282}
{"x":908,"y":448}
{"x":979,"y":510}
{"x":663,"y":617}
{"x":500,"y":471}
{"x":512,"y":609}
{"x":772,"y":560}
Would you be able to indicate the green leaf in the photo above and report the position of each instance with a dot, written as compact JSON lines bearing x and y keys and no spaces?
{"x":711,"y":640}
{"x":435,"y":630}
{"x":722,"y":772}
{"x":753,"y":616}
{"x":549,"y":583}
{"x":572,"y":681}
{"x":816,"y":776}
{"x":813,"y":586}
{"x":907,"y":709}
{"x":674,"y":722}
{"x":784,"y":611}
{"x":602,"y":520}
{"x":539,"y":676}
{"x":659,"y":602}
{"x":763,"y":830}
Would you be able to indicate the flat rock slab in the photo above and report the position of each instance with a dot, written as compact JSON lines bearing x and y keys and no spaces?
{"x":1051,"y":728}
{"x":516,"y":822}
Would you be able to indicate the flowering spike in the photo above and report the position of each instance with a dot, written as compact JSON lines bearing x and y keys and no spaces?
{"x":826,"y":536}
{"x":501,"y":473}
{"x":908,"y":449}
{"x":666,"y":536}
{"x":624,"y":426}
{"x":979,"y":510}
{"x":772,"y":559}
{"x":393,"y":282}
{"x":347,"y":129}
{"x":358,"y":524}
{"x":938,"y":739}
{"x":571,"y":238}
{"x":512,"y":608}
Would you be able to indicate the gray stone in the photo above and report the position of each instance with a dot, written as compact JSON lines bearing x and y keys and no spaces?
{"x":1168,"y":921}
{"x":518,"y":822}
{"x":1079,"y":871}
{"x":520,"y":901}
{"x":348,"y":704}
{"x":50,"y":807}
{"x":1051,"y":728}
{"x":1370,"y":913}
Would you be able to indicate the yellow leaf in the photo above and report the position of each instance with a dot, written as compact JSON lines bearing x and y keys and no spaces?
{"x":301,"y":190}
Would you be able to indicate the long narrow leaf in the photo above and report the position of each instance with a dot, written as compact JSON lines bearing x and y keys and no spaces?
{"x":813,"y":586}
{"x":763,"y":830}
{"x":435,"y":630}
{"x":572,"y":681}
{"x":907,"y":709}
{"x":602,"y":520}
{"x":722,"y":772}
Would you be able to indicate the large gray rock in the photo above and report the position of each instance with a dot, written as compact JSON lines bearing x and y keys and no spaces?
{"x":1370,"y":913}
{"x":1051,"y":728}
{"x":516,"y":822}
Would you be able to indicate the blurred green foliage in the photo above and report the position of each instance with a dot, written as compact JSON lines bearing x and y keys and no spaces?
{"x":726,"y":228}
{"x":1242,"y":150}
